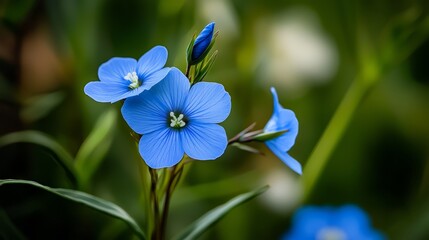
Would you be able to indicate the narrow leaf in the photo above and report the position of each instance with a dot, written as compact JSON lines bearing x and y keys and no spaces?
{"x":95,"y":146}
{"x":36,"y":108}
{"x":64,"y":159}
{"x":210,"y":218}
{"x":86,"y":199}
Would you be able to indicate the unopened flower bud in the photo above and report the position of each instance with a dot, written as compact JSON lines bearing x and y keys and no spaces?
{"x":202,"y":43}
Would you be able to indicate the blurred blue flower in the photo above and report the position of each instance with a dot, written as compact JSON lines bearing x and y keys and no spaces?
{"x":175,"y":119}
{"x":283,"y":120}
{"x":348,"y":222}
{"x":203,"y":41}
{"x":121,"y":78}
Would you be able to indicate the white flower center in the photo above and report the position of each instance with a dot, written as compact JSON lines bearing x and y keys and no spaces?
{"x":331,"y":233}
{"x":177,"y":122}
{"x":134,"y":79}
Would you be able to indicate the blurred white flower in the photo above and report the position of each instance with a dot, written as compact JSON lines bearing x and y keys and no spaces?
{"x":221,"y":12}
{"x":294,"y":52}
{"x":285,"y":190}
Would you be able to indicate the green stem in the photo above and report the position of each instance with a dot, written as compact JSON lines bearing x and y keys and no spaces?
{"x":156,"y":234}
{"x":188,"y":68}
{"x":332,"y":135}
{"x":176,"y":173}
{"x":144,"y":194}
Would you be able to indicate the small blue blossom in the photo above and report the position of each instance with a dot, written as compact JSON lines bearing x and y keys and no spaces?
{"x":283,"y":120}
{"x":348,"y":222}
{"x":203,"y":41}
{"x":121,"y":78}
{"x":175,"y":119}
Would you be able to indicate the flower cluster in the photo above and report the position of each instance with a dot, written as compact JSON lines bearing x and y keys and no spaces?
{"x":176,"y":114}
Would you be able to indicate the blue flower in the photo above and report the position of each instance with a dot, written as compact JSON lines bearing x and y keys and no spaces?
{"x":348,"y":222}
{"x":121,"y":78}
{"x":203,"y":41}
{"x":283,"y":120}
{"x":175,"y":119}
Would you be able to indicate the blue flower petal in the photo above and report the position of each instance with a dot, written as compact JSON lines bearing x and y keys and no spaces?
{"x":308,"y":221}
{"x":172,"y":91}
{"x":207,"y":103}
{"x":161,"y":149}
{"x":150,"y":110}
{"x":145,"y":114}
{"x":347,"y":222}
{"x":354,"y":221}
{"x":285,"y":141}
{"x":116,"y":69}
{"x":286,"y":158}
{"x":152,"y":61}
{"x":282,"y":119}
{"x":206,"y":141}
{"x":106,"y":92}
{"x":154,"y":78}
{"x":203,"y":41}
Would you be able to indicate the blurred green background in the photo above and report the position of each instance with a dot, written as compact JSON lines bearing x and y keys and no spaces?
{"x":311,"y":51}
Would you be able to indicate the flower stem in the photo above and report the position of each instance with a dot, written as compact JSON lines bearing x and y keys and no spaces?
{"x":237,"y":138}
{"x":144,"y":193}
{"x":332,"y":135}
{"x":176,"y":173}
{"x":188,"y":68}
{"x":163,"y":183}
{"x":156,"y":234}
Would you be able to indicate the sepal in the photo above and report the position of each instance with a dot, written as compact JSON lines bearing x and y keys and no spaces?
{"x":204,"y":68}
{"x":247,"y":148}
{"x":265,"y":136}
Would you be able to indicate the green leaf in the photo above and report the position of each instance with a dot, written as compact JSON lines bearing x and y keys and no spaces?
{"x":210,"y":218}
{"x":36,"y":108}
{"x":86,"y":199}
{"x":64,"y":159}
{"x":95,"y":146}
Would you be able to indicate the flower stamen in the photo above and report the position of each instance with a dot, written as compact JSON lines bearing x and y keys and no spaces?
{"x":177,"y":122}
{"x":134,"y":79}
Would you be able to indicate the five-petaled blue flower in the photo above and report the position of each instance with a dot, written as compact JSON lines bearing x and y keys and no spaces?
{"x":121,"y":78}
{"x":348,"y":222}
{"x":283,"y":120}
{"x":203,"y":41}
{"x":175,"y":118}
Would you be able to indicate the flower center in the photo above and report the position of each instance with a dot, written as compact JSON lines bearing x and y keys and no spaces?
{"x":134,"y":79}
{"x":176,"y":122}
{"x":330,"y":233}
